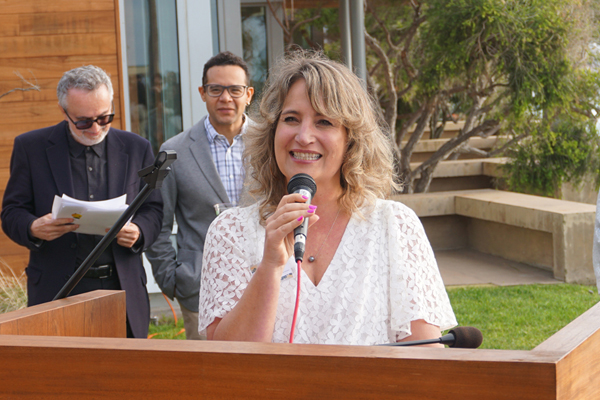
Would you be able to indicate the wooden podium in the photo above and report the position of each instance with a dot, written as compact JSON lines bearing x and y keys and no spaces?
{"x":76,"y":365}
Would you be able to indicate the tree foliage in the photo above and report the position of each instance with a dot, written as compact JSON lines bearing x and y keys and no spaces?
{"x":501,"y":66}
{"x":522,"y":69}
{"x":564,"y":152}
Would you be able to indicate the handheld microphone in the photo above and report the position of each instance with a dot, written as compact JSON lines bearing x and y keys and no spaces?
{"x":306,"y":186}
{"x":462,"y":337}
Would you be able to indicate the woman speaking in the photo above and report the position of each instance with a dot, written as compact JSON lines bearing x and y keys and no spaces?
{"x":369,"y":275}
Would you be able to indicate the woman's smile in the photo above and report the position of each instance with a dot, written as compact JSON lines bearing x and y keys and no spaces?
{"x":304,"y":156}
{"x":308,"y":142}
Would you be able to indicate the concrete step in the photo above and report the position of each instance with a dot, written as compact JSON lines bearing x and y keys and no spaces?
{"x":466,"y":267}
{"x":425,"y":148}
{"x":450,"y":130}
{"x":473,"y":167}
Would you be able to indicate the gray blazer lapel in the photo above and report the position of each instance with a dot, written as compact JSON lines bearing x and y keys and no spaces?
{"x":117,"y":165}
{"x":200,"y":149}
{"x":59,"y":159}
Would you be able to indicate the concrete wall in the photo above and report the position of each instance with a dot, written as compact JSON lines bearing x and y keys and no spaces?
{"x":553,"y":234}
{"x":511,"y":242}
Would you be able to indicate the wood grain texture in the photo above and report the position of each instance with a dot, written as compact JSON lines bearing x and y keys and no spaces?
{"x":9,"y":25}
{"x":564,"y":367}
{"x":95,"y":314}
{"x":47,"y":112}
{"x":152,"y":369}
{"x":66,"y":23}
{"x":9,"y":132}
{"x":61,"y":45}
{"x":16,"y":262}
{"x":54,"y":66}
{"x":578,"y":372}
{"x":579,"y":369}
{"x":37,"y":6}
{"x":5,"y":154}
{"x":8,"y":245}
{"x":120,"y":93}
{"x":22,"y":91}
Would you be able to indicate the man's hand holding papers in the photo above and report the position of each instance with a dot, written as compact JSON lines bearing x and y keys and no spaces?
{"x":92,"y":217}
{"x":48,"y":228}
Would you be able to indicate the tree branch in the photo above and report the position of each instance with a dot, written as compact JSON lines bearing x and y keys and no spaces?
{"x":32,"y":86}
{"x":391,"y":111}
{"x":506,"y":145}
{"x":388,"y":36}
{"x":285,"y":27}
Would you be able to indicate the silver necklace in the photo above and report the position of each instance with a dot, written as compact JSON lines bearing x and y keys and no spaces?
{"x":313,"y":258}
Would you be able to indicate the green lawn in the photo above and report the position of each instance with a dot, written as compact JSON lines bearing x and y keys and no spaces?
{"x":510,"y":317}
{"x":166,"y":329}
{"x":520,"y":317}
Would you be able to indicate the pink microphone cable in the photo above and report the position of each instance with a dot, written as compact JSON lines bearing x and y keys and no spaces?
{"x":297,"y":302}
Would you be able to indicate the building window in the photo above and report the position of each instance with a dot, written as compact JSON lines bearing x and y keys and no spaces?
{"x":254,"y":43}
{"x":153,"y":69}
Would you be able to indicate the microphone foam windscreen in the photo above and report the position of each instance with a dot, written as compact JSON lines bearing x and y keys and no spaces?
{"x":467,"y":337}
{"x":304,"y":181}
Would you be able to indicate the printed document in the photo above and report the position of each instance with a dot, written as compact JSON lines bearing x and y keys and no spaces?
{"x":93,"y":217}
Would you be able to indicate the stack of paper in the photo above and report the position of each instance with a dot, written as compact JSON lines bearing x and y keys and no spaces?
{"x":93,"y":217}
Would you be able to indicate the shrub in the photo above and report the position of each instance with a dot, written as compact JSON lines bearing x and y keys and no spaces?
{"x":564,"y":153}
{"x":13,"y":291}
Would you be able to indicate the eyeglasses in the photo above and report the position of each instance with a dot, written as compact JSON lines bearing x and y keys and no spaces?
{"x":235,"y":91}
{"x":87,"y":123}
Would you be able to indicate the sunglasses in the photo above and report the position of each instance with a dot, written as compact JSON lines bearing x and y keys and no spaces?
{"x":87,"y":123}
{"x":235,"y":91}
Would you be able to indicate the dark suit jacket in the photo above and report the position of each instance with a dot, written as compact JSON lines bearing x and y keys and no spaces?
{"x":39,"y":170}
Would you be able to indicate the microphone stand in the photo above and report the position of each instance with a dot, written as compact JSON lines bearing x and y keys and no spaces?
{"x":153,"y":175}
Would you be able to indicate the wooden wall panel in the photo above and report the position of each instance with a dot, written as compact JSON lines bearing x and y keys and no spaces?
{"x":9,"y":248}
{"x":62,"y":45}
{"x":55,"y":66}
{"x":66,"y":23}
{"x":57,"y":23}
{"x":8,"y":132}
{"x":9,"y":25}
{"x":95,"y":314}
{"x":45,"y":111}
{"x":5,"y":153}
{"x":18,"y":262}
{"x":41,"y":6}
{"x":42,"y":111}
{"x":41,"y":40}
{"x":47,"y":90}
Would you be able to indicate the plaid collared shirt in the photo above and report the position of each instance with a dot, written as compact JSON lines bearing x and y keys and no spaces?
{"x":228,"y":159}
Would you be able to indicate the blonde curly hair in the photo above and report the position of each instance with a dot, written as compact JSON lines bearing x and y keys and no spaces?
{"x":335,"y":92}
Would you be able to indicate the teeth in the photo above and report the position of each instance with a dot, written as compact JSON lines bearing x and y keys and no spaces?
{"x":306,"y":156}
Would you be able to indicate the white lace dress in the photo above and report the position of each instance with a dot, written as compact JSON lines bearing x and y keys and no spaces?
{"x":382,"y":277}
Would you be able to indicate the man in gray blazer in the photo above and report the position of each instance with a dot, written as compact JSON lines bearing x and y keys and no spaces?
{"x":208,"y":171}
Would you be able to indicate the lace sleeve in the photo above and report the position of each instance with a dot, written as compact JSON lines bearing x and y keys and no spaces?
{"x":417,"y":290}
{"x":229,"y":254}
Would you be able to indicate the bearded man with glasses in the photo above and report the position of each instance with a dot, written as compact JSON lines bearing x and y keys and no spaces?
{"x":84,"y":158}
{"x":208,"y":171}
